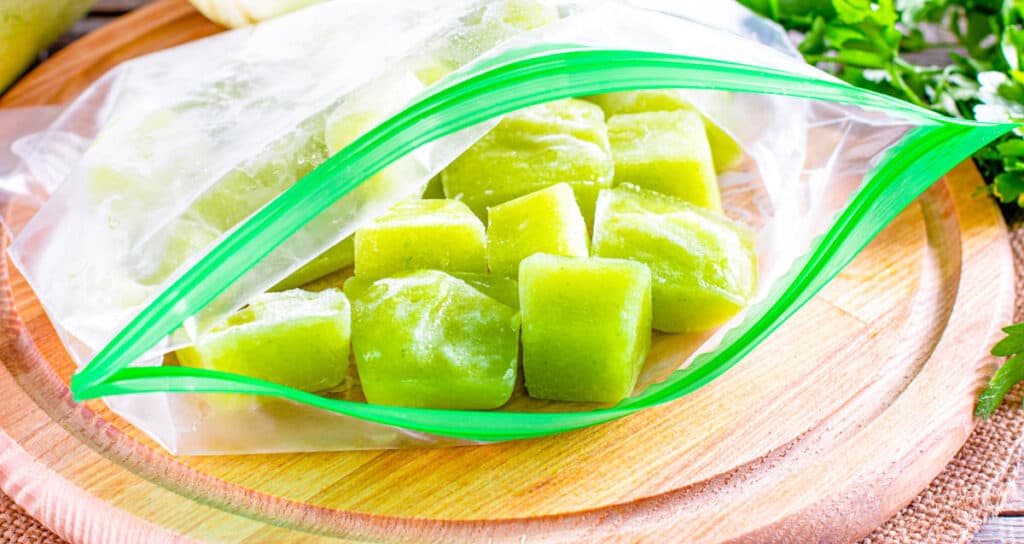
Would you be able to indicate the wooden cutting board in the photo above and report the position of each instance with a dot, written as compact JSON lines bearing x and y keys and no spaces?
{"x":821,"y":434}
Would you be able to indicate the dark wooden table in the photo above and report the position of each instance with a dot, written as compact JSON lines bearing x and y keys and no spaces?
{"x":1006,"y":527}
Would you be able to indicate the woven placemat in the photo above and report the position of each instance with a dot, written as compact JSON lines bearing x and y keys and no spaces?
{"x":951,"y":510}
{"x":18,"y":527}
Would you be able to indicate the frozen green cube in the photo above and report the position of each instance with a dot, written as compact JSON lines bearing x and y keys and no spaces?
{"x":426,"y":339}
{"x":725,"y":150}
{"x":294,"y":338}
{"x":547,"y":221}
{"x":666,"y":152}
{"x":422,"y":234}
{"x":563,"y":141}
{"x":703,"y":264}
{"x":586,"y":326}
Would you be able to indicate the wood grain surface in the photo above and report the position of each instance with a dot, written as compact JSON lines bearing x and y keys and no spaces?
{"x":825,"y":431}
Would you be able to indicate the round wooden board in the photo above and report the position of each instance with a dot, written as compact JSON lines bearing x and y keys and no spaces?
{"x":825,"y":431}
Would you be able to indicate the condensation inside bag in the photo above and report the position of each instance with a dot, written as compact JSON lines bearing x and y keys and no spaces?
{"x":219,"y":127}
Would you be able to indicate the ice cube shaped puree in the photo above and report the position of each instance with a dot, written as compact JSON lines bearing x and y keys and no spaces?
{"x":586,"y":326}
{"x":666,"y":152}
{"x":725,"y":151}
{"x":547,"y":221}
{"x":422,"y":234}
{"x":426,"y":339}
{"x":703,"y":264}
{"x":537,"y":147}
{"x":294,"y":338}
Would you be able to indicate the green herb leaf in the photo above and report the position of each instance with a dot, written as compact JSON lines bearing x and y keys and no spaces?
{"x":1012,"y":344}
{"x":872,"y":44}
{"x":1008,"y":187}
{"x":1008,"y":375}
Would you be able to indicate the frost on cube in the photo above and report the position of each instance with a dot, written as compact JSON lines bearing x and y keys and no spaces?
{"x":547,"y":221}
{"x":295,"y":338}
{"x":426,"y":339}
{"x":666,"y":152}
{"x":422,"y":234}
{"x":725,"y":150}
{"x":563,"y":141}
{"x":586,"y":326}
{"x":703,"y":264}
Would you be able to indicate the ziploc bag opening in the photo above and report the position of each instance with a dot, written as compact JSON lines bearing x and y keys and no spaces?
{"x":144,"y":268}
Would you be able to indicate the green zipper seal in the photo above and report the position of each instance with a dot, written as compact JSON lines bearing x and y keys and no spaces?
{"x":506,"y":83}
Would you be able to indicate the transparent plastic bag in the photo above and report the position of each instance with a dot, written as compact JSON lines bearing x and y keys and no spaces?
{"x":222,"y":129}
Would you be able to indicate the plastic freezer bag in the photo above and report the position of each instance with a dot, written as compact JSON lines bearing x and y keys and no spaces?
{"x":184,"y":183}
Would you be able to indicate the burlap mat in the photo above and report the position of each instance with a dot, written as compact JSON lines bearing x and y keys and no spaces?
{"x":17,"y":526}
{"x":951,"y":510}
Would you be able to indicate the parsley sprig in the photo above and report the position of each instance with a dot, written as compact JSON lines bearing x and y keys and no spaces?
{"x":958,"y":57}
{"x":963,"y":58}
{"x":1008,"y":375}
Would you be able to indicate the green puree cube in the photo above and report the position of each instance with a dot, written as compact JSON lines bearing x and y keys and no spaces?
{"x":666,"y":152}
{"x":703,"y":264}
{"x":294,"y":338}
{"x":725,"y":150}
{"x":586,"y":326}
{"x":563,"y":141}
{"x":421,"y":234}
{"x":426,"y":339}
{"x":547,"y":221}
